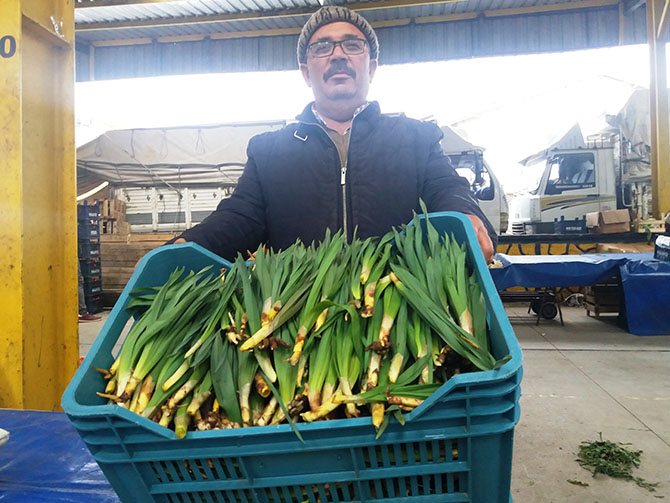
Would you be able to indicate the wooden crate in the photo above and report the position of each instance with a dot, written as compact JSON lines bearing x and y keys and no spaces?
{"x":113,"y":217}
{"x":108,"y":225}
{"x":119,"y":254}
{"x":603,"y":298}
{"x":113,"y":208}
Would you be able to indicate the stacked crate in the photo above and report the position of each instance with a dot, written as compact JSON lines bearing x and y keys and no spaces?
{"x":113,"y":217}
{"x":88,"y":238}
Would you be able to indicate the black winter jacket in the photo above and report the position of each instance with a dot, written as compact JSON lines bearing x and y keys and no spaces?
{"x":293,"y":186}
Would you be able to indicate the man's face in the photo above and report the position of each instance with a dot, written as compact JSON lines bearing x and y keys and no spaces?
{"x":339,"y":76}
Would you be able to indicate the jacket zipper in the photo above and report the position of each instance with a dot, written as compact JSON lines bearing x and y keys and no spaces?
{"x":343,"y":183}
{"x":343,"y":173}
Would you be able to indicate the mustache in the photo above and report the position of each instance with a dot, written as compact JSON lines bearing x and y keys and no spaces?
{"x":339,"y":67}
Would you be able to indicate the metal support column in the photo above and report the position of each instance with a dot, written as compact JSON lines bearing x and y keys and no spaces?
{"x":38,"y":268}
{"x":657,"y":22}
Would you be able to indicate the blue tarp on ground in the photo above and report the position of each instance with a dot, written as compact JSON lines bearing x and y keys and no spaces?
{"x":645,"y":281}
{"x":45,"y":461}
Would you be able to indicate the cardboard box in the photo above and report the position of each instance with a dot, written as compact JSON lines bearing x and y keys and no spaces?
{"x":607,"y":222}
{"x":592,"y":220}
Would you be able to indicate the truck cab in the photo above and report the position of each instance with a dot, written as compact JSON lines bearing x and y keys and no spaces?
{"x":468,"y":161}
{"x":609,"y":170}
{"x":573,"y":182}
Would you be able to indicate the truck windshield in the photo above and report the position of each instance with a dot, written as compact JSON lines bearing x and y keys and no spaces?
{"x":532,"y":176}
{"x":570,"y":171}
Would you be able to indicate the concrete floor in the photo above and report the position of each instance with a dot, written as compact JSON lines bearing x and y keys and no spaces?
{"x":580,"y":379}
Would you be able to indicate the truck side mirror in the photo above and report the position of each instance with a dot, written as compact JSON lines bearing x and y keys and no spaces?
{"x":486,"y":193}
{"x":479,"y":168}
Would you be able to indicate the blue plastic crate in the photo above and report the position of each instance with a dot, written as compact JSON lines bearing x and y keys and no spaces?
{"x":88,"y":230}
{"x":87,"y":211}
{"x":90,"y":267}
{"x":94,"y":303}
{"x":89,"y":250}
{"x":662,"y":248}
{"x":92,"y":285}
{"x":455,"y":447}
{"x":575,"y":226}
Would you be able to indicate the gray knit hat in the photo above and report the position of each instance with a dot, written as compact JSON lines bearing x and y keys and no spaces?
{"x":333,"y":14}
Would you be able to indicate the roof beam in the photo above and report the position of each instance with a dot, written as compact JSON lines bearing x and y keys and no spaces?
{"x":83,"y":4}
{"x":224,"y":36}
{"x":248,"y":16}
{"x":519,"y":11}
{"x":633,"y":6}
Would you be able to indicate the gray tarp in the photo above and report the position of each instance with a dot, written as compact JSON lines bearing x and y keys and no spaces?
{"x":571,"y":139}
{"x":454,"y":143}
{"x":634,"y":122}
{"x":196,"y":155}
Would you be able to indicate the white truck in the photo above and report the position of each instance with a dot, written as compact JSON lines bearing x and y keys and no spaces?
{"x":169,"y":178}
{"x":607,"y":171}
{"x":469,"y":162}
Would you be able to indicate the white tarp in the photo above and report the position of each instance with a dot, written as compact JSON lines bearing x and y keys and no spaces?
{"x":213,"y":155}
{"x":571,"y":139}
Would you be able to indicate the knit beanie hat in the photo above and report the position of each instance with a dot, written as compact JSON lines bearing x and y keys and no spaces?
{"x":334,"y":14}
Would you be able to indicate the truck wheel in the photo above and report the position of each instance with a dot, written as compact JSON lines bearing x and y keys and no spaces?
{"x":535,"y":306}
{"x":549,"y":311}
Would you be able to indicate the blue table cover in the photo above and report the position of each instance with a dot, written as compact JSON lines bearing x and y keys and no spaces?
{"x":45,"y":461}
{"x":645,"y":281}
{"x":536,"y":271}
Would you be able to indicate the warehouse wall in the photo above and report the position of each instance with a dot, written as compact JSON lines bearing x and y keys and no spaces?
{"x":507,"y":35}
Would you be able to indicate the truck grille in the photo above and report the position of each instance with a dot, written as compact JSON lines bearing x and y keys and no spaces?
{"x":518,"y":228}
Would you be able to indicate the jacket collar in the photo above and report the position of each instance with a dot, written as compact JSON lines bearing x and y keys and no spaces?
{"x":369,"y":114}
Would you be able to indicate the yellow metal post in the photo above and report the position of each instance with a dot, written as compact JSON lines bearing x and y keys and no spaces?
{"x":38,"y":269}
{"x":658,"y":106}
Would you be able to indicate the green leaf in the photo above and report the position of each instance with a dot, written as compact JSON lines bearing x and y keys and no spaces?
{"x":222,"y":369}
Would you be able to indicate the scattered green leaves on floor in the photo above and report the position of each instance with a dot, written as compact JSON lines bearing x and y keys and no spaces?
{"x":608,"y":458}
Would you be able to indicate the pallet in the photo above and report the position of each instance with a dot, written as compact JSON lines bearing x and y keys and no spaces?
{"x":114,"y":208}
{"x":598,"y":309}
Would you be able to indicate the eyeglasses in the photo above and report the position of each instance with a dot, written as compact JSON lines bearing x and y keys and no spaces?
{"x":325,"y":48}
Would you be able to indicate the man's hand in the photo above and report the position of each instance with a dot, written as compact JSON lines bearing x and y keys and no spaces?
{"x":483,"y":238}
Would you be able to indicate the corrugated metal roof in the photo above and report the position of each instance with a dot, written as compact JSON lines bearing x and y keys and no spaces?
{"x":192,"y":29}
{"x":422,"y":33}
{"x":196,"y":8}
{"x":182,"y":8}
{"x":178,"y":11}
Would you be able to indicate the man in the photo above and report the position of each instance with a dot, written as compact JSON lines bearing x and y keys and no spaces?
{"x":343,"y":165}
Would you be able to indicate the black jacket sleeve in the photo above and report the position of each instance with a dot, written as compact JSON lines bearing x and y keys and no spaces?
{"x":444,"y":190}
{"x":238,"y":223}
